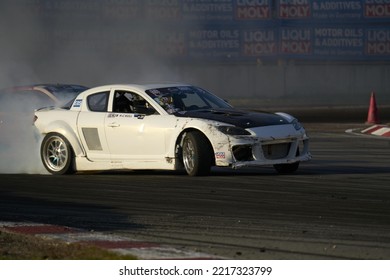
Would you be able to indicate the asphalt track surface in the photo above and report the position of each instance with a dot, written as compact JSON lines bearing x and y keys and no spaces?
{"x":336,"y":206}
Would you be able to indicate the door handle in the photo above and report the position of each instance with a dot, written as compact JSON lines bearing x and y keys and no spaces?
{"x":114,"y":124}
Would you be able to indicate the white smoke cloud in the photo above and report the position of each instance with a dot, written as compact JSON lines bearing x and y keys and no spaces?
{"x":62,"y":42}
{"x":19,"y":149}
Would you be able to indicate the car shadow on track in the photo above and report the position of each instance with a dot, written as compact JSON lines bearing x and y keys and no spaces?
{"x":216,"y":171}
{"x":17,"y":208}
{"x":318,"y":167}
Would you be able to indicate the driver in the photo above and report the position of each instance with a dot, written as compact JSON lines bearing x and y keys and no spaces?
{"x":122,"y":104}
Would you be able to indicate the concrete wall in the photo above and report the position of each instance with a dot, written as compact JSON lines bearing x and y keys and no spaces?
{"x":323,"y":84}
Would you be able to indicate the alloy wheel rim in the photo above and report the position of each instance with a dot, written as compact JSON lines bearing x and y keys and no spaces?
{"x":56,"y":154}
{"x":189,"y":155}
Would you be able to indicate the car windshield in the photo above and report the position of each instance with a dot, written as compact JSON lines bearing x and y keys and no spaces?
{"x":186,"y":98}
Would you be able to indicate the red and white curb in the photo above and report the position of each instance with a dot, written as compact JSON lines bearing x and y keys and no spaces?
{"x":380,"y":131}
{"x":112,"y":242}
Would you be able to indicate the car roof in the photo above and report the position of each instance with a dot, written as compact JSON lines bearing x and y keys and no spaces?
{"x":144,"y":86}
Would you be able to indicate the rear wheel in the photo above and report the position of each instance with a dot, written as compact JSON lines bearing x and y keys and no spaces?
{"x":196,"y":154}
{"x":57,"y":154}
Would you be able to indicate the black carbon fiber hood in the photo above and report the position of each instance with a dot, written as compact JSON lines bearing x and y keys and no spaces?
{"x":236,"y":117}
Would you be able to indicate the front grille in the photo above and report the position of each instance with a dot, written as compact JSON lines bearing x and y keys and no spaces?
{"x":276,"y":151}
{"x":243,"y":152}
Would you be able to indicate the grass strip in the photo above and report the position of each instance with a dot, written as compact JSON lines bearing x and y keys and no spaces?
{"x":14,"y":246}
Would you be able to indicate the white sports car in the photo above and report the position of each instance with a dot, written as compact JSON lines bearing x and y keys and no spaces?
{"x":165,"y":126}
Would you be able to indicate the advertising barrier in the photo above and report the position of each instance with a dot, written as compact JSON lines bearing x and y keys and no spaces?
{"x":224,"y":30}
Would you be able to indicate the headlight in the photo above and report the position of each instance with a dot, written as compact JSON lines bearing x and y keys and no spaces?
{"x":297,"y":125}
{"x":233,"y":130}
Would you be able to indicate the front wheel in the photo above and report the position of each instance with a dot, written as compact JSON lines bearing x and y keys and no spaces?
{"x":196,"y":154}
{"x":57,"y":154}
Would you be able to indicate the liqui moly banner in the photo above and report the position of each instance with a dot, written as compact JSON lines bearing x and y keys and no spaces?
{"x":376,"y":9}
{"x":377,"y":42}
{"x":219,"y":30}
{"x":296,"y":41}
{"x":259,"y":42}
{"x":253,"y":9}
{"x":294,"y":9}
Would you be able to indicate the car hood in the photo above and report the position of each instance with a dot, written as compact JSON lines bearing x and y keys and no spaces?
{"x":236,"y":117}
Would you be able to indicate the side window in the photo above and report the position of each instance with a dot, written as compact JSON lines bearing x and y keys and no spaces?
{"x":123,"y":102}
{"x":129,"y":102}
{"x":98,"y":102}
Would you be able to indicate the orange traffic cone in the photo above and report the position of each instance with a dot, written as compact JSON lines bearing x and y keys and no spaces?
{"x":372,"y":117}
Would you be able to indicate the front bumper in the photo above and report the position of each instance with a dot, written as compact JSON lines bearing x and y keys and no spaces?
{"x":282,"y":151}
{"x":247,"y":151}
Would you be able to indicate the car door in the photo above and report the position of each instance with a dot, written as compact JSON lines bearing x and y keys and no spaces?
{"x":91,"y":126}
{"x":138,"y":133}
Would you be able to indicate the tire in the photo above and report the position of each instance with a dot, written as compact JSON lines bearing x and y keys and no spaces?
{"x":196,"y":154}
{"x":57,"y":155}
{"x":287,"y":168}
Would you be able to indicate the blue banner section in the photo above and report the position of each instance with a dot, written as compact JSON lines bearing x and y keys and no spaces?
{"x":225,"y":30}
{"x":334,"y":42}
{"x":206,"y":10}
{"x":337,"y":10}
